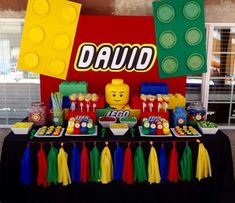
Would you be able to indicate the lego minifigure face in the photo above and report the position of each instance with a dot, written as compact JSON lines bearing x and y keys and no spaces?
{"x":88,"y":97}
{"x":73,"y":97}
{"x":117,"y":95}
{"x":94,"y":97}
{"x":151,"y":98}
{"x":143,"y":97}
{"x":81,"y":97}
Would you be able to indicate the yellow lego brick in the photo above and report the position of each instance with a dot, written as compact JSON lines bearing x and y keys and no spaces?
{"x":48,"y":36}
{"x":176,"y":100}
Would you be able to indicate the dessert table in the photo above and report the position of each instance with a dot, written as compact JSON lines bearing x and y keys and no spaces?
{"x":218,"y":188}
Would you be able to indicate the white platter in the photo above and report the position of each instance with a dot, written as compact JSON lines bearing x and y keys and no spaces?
{"x":48,"y":136}
{"x":185,"y":136}
{"x":156,"y":136}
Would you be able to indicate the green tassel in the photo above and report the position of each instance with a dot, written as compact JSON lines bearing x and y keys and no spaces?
{"x":95,"y":165}
{"x":140,"y":173}
{"x":186,"y":165}
{"x":52,"y":166}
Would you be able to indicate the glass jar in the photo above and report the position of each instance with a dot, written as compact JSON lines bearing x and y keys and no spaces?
{"x":57,"y":117}
{"x":179,"y":116}
{"x":196,"y":113}
{"x":37,"y":113}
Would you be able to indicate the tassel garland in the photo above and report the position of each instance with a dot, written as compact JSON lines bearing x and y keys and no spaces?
{"x":52,"y":166}
{"x":173,"y":174}
{"x":63,"y":170}
{"x":106,"y":166}
{"x":94,"y":166}
{"x":118,"y":163}
{"x":140,"y":173}
{"x":163,"y":165}
{"x":203,"y":163}
{"x":26,"y":176}
{"x":127,"y":176}
{"x":75,"y":165}
{"x":42,"y":168}
{"x":186,"y":165}
{"x":85,"y":165}
{"x":153,"y":168}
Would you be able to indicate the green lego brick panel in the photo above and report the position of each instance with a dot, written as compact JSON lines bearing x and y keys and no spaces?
{"x":181,"y":37}
{"x":68,"y":88}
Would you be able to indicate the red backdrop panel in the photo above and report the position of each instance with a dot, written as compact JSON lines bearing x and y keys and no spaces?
{"x":112,"y":29}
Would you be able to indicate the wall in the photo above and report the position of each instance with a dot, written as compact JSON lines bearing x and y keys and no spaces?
{"x":215,"y":10}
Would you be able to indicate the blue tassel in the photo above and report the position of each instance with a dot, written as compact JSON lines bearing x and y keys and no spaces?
{"x":163,"y":164}
{"x":26,"y":177}
{"x":75,"y":165}
{"x":118,"y":163}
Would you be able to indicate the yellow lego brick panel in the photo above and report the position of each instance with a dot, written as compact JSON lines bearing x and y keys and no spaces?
{"x":176,"y":100}
{"x":48,"y":36}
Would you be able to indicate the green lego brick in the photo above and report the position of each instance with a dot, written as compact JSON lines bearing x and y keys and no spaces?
{"x":181,"y":37}
{"x":68,"y":88}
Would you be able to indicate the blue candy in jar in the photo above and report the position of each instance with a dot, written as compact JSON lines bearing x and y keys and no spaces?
{"x":179,"y":116}
{"x":196,"y":113}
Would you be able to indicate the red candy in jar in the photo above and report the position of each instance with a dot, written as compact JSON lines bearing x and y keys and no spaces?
{"x":37,"y":113}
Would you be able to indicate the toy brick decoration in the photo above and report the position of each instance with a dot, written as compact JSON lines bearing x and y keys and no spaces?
{"x":48,"y":36}
{"x":180,"y":35}
{"x":67,"y":88}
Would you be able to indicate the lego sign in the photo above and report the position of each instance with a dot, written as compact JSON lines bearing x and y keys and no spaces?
{"x":118,"y":113}
{"x":118,"y":57}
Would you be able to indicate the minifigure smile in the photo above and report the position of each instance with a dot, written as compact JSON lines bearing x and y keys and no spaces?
{"x":117,"y":100}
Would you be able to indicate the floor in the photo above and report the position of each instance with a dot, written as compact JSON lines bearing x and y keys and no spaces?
{"x":230,"y":133}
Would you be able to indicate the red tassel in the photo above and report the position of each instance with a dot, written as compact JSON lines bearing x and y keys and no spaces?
{"x":128,"y":176}
{"x":173,"y":174}
{"x":42,"y":168}
{"x":85,"y":165}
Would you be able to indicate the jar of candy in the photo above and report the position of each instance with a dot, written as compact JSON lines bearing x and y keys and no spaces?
{"x":57,"y":117}
{"x":196,"y":113}
{"x":179,"y":116}
{"x":37,"y":113}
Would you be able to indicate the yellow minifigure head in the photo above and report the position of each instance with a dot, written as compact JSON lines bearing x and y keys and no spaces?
{"x":94,"y":97}
{"x":73,"y":97}
{"x":151,"y":97}
{"x":81,"y":97}
{"x":88,"y":97}
{"x":143,"y":97}
{"x":117,"y":94}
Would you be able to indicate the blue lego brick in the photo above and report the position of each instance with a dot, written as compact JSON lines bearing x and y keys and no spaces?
{"x":154,"y":88}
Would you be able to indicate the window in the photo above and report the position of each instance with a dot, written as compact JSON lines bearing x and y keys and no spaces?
{"x":219,"y":80}
{"x":18,"y":89}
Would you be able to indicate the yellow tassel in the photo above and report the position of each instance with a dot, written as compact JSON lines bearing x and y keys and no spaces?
{"x":203,"y":163}
{"x":153,"y":168}
{"x":63,"y":170}
{"x":106,"y":166}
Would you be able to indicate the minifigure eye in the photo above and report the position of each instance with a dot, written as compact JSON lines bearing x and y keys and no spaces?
{"x":121,"y":94}
{"x":114,"y":95}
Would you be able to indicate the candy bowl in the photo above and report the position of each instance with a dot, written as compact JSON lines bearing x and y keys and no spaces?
{"x":208,"y":127}
{"x":106,"y":121}
{"x":118,"y":128}
{"x":22,"y":127}
{"x":130,"y":121}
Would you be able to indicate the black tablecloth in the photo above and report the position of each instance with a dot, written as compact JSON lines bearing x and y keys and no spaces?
{"x":219,"y":188}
